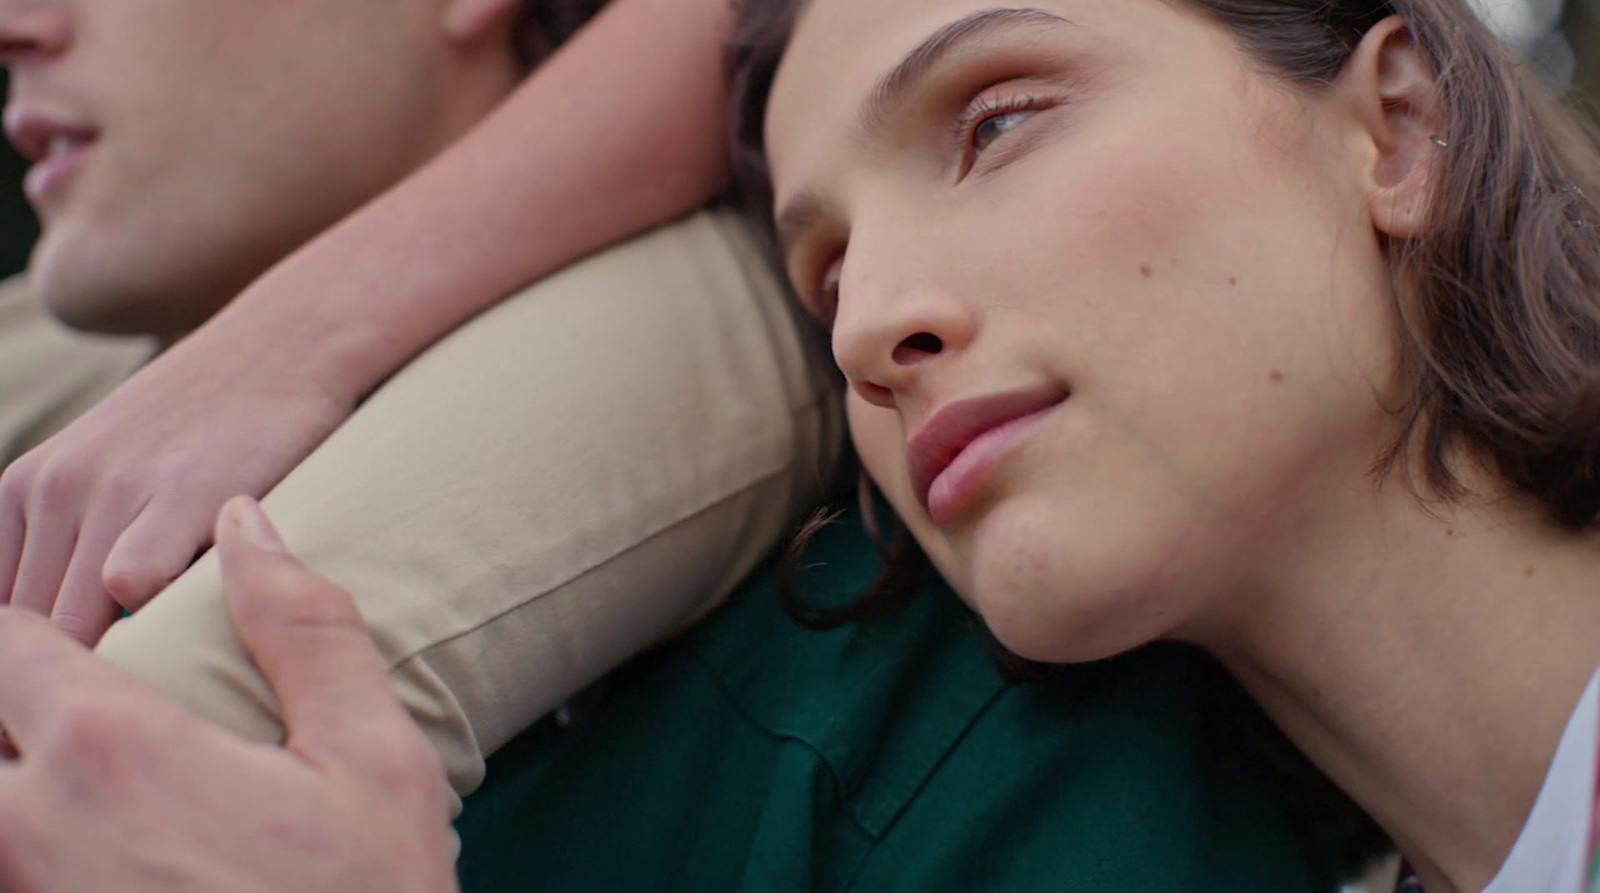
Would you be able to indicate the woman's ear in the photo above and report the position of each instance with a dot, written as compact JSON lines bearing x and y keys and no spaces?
{"x":466,"y":21}
{"x":1392,"y":89}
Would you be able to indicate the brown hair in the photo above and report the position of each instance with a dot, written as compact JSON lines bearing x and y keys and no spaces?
{"x":543,"y":25}
{"x":1501,"y":319}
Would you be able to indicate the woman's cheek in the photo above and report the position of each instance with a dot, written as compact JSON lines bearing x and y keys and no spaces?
{"x":879,"y":442}
{"x":879,"y":437}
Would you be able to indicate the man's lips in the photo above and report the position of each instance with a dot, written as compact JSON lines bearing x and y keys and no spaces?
{"x":56,"y":145}
{"x":962,"y":440}
{"x":37,"y":133}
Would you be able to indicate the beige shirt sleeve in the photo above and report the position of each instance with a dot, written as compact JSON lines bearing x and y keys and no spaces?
{"x":560,"y":483}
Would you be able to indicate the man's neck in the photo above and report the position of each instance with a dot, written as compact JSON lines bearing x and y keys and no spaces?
{"x":1429,"y":662}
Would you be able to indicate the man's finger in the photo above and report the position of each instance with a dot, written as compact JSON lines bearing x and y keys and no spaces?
{"x":308,"y":638}
{"x":38,"y":668}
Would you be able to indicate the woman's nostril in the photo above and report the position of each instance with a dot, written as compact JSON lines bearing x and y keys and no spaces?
{"x":877,"y":395}
{"x":917,"y":347}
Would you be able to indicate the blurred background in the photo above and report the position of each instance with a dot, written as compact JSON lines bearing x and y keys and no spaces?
{"x":1561,"y":37}
{"x":17,"y":226}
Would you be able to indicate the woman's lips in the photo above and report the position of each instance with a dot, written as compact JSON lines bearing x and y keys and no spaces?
{"x":951,"y":456}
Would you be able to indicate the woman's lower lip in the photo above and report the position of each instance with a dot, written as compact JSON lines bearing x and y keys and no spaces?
{"x":964,"y":476}
{"x":47,"y":177}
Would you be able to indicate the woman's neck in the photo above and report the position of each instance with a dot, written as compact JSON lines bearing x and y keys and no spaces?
{"x":1428,"y":661}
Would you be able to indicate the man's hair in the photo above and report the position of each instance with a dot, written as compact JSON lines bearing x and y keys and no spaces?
{"x":1500,"y":299}
{"x":544,"y":25}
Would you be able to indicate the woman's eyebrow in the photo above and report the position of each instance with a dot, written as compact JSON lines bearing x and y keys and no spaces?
{"x":894,"y":88}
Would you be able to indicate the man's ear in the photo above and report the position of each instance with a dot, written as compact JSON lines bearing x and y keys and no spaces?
{"x":466,"y":21}
{"x":1391,"y":87}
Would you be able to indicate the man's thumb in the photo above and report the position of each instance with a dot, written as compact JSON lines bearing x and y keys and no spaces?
{"x":307,"y":637}
{"x":244,"y":515}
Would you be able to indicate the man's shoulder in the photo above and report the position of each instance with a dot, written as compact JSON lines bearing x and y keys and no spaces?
{"x":49,"y":374}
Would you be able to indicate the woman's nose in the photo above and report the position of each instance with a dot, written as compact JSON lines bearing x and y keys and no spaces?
{"x":885,"y":337}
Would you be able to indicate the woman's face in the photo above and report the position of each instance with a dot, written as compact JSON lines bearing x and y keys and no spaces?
{"x":1116,"y":321}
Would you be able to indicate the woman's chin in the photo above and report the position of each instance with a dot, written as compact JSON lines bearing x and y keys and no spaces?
{"x":1055,"y":602}
{"x":1065,"y":637}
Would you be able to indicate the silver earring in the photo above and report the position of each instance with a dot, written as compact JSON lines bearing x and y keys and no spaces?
{"x":1440,"y":141}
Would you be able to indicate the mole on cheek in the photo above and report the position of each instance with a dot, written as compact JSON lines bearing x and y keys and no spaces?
{"x":1146,"y":270}
{"x":1276,"y":376}
{"x":1233,"y":280}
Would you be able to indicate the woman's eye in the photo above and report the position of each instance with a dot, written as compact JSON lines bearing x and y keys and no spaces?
{"x":987,"y":120}
{"x":825,"y":303}
{"x":994,"y":127}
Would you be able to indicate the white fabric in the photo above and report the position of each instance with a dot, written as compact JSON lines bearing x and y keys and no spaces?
{"x":1548,"y":856}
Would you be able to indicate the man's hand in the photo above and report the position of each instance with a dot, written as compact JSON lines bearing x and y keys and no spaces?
{"x":105,"y":514}
{"x":116,"y":789}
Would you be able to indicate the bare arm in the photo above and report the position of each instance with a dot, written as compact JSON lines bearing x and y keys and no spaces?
{"x":621,"y":130}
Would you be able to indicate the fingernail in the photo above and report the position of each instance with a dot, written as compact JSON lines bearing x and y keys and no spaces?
{"x":255,"y":526}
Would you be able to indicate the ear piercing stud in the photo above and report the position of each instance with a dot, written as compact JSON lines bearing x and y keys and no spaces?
{"x":1440,"y":141}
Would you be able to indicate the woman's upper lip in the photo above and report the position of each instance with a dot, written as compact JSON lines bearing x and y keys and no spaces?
{"x":955,"y":425}
{"x":32,"y":129}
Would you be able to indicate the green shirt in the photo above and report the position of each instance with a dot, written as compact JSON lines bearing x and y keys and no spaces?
{"x":753,"y":754}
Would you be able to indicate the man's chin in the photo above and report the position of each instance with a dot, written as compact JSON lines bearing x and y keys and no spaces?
{"x":90,"y":295}
{"x":103,"y":309}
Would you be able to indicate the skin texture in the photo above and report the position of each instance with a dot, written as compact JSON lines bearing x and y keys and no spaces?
{"x":114,"y":507}
{"x":115,"y":789}
{"x":1156,"y":310}
{"x":180,"y":201}
{"x":1124,"y":219}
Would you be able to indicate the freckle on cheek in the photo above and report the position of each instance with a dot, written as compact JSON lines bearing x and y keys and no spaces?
{"x":1527,"y":572}
{"x":1276,"y":376}
{"x":1233,"y":280}
{"x":1146,"y":270}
